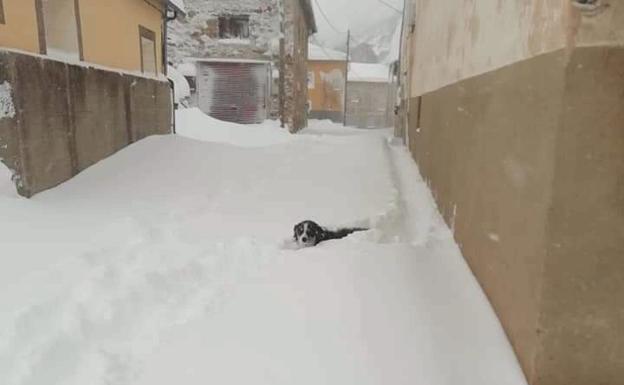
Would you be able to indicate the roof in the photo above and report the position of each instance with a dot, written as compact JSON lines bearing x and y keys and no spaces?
{"x":177,"y":5}
{"x":309,"y":15}
{"x":368,"y":73}
{"x":318,"y":53}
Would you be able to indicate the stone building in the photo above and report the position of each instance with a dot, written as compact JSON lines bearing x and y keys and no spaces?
{"x":515,"y":115}
{"x":276,"y":31}
{"x":79,"y":80}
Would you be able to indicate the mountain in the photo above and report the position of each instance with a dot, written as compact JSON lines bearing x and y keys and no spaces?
{"x":378,"y":44}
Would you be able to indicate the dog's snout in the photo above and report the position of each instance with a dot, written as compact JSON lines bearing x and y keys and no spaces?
{"x":304,"y":239}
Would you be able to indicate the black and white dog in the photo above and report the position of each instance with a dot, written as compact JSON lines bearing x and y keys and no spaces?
{"x":309,"y":233}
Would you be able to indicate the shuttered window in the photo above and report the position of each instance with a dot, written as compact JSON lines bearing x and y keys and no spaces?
{"x":147,"y":40}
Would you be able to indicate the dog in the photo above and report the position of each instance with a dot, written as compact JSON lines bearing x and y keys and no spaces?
{"x":310,"y":234}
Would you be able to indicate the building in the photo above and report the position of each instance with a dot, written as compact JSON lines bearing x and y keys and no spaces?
{"x":326,"y":83}
{"x":368,"y":92}
{"x":515,"y":115}
{"x":79,"y":80}
{"x":273,"y":31}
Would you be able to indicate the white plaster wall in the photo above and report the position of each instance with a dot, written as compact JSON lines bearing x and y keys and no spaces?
{"x":456,"y":39}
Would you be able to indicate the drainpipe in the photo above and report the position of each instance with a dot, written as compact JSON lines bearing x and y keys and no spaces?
{"x":165,"y":62}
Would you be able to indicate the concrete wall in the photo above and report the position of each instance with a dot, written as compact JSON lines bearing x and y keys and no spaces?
{"x":81,"y":116}
{"x":517,"y":124}
{"x":20,"y":28}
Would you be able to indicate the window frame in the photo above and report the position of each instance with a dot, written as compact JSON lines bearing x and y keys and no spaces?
{"x":146,"y":33}
{"x":2,"y":19}
{"x":230,"y":20}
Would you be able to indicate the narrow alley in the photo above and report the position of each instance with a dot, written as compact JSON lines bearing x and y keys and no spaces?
{"x":192,"y":244}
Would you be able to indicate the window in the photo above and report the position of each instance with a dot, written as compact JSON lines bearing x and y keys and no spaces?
{"x":311,"y":80}
{"x":1,"y":13}
{"x":192,"y":81}
{"x":148,"y":51}
{"x":234,"y":27}
{"x":61,"y":28}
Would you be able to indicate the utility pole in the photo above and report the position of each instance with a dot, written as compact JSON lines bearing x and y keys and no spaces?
{"x":344,"y":121}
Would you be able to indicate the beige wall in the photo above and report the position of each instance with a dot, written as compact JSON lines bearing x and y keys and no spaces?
{"x":517,"y":123}
{"x":110,"y":32}
{"x":481,"y":36}
{"x":20,"y":30}
{"x":327,"y":94}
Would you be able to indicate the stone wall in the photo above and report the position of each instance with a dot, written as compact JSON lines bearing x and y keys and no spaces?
{"x":522,"y":143}
{"x":68,"y":117}
{"x":197,"y":33}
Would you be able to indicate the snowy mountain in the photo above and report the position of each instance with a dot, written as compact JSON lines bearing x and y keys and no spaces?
{"x":379,"y":43}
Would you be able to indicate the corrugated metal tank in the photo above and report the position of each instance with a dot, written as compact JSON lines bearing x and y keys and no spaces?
{"x":234,"y":91}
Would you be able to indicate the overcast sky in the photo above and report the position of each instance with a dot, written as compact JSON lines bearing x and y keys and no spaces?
{"x":354,"y":14}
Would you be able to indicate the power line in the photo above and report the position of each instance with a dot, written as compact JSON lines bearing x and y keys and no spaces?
{"x":390,"y":6}
{"x":327,"y":18}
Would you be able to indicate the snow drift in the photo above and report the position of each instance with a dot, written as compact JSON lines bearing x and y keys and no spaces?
{"x":165,"y":264}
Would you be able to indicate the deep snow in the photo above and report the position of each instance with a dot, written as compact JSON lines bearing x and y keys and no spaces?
{"x":169,"y":263}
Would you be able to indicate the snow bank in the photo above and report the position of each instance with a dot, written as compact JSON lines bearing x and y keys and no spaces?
{"x":7,"y":110}
{"x":181,"y":86}
{"x":193,"y":123}
{"x":7,"y":187}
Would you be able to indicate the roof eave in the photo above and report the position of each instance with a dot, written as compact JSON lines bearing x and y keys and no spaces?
{"x":172,"y":6}
{"x":309,"y":14}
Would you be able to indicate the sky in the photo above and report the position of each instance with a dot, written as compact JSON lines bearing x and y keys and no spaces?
{"x":354,"y":14}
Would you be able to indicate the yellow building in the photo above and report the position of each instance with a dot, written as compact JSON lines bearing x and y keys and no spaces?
{"x":326,"y":83}
{"x":79,"y":80}
{"x":121,"y":34}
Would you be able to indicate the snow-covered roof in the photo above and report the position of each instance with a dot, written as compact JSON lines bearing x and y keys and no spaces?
{"x":366,"y":72}
{"x":319,"y":53}
{"x":228,"y":60}
{"x":178,"y":5}
{"x":187,"y":69}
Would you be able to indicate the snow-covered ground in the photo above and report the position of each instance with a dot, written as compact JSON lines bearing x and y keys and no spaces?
{"x":170,"y":263}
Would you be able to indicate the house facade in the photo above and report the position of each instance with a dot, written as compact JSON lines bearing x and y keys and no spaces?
{"x":79,"y":80}
{"x":273,"y":31}
{"x":327,"y":70}
{"x":517,"y":123}
{"x":368,"y":91}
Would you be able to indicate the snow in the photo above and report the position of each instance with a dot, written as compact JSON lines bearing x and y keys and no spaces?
{"x":193,"y":123}
{"x":178,"y":4}
{"x":319,"y":53}
{"x":366,"y":72}
{"x":7,"y":109}
{"x":169,"y":262}
{"x":7,"y":187}
{"x":187,"y":69}
{"x":181,"y":85}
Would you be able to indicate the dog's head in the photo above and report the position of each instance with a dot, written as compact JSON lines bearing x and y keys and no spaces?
{"x":308,"y":234}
